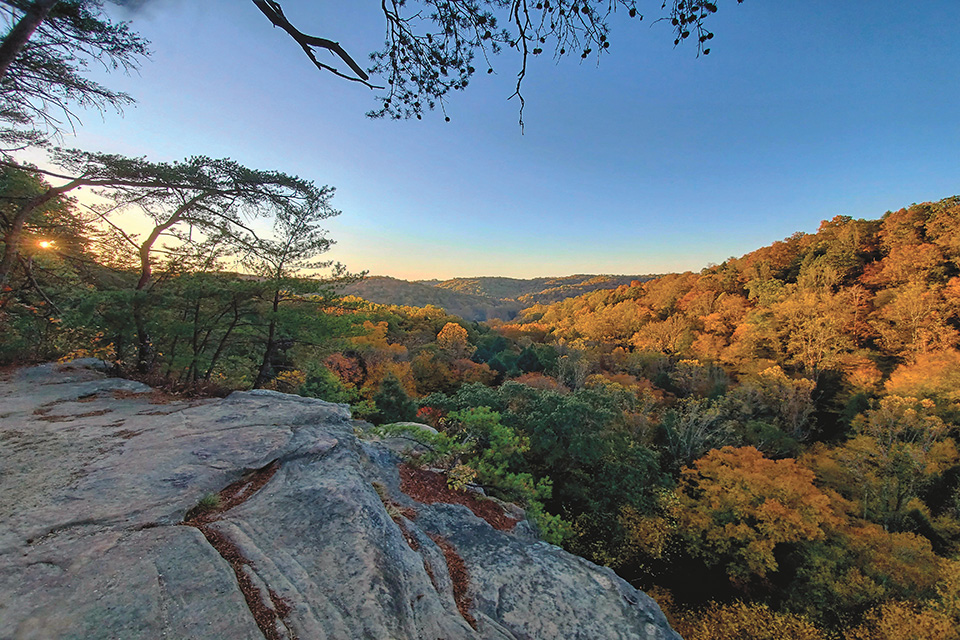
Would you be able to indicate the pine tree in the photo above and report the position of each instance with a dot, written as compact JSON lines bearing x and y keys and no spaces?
{"x":393,"y":402}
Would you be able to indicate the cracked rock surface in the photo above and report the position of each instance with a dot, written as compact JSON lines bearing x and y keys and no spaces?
{"x":97,"y":475}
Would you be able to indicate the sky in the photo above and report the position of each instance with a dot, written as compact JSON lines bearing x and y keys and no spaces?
{"x":652,"y":160}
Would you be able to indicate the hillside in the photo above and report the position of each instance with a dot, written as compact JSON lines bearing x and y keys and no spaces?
{"x":387,"y":290}
{"x":484,"y":298}
{"x":782,"y":425}
{"x":856,"y":295}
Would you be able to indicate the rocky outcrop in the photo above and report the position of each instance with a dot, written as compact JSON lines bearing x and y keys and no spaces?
{"x":128,"y":514}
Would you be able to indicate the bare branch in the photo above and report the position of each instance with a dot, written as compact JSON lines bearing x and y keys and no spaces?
{"x":274,"y":13}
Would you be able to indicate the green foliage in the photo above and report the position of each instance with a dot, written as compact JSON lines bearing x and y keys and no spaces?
{"x":528,"y":361}
{"x":209,"y":501}
{"x":489,"y":345}
{"x":476,"y":447}
{"x":578,"y":440}
{"x":768,"y":438}
{"x":321,"y":383}
{"x":46,"y":80}
{"x":393,"y":403}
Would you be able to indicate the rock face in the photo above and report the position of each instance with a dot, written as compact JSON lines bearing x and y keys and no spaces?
{"x":310,"y":537}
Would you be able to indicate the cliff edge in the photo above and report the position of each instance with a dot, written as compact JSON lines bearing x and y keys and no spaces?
{"x":129,"y":514}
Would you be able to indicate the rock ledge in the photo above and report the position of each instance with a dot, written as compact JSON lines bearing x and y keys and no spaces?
{"x":311,"y":536}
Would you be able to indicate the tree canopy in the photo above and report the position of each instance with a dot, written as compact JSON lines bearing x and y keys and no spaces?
{"x":42,"y":62}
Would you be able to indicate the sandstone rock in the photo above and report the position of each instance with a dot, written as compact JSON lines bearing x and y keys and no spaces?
{"x":312,"y":539}
{"x":414,"y":426}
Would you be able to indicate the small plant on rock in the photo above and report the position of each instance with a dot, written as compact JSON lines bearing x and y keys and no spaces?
{"x":460,"y":477}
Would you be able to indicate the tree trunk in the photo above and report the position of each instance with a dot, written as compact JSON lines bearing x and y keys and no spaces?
{"x":13,"y":238}
{"x":21,"y":32}
{"x":223,"y":342}
{"x":144,"y":340}
{"x":171,"y":357}
{"x":268,"y":353}
{"x":145,"y":349}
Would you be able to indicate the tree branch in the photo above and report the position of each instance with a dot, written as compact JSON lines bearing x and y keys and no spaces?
{"x":274,"y":13}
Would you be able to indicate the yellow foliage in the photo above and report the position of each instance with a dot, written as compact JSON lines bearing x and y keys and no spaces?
{"x":666,"y":336}
{"x":948,"y":590}
{"x":904,"y":621}
{"x":913,"y":320}
{"x":649,"y":535}
{"x":901,"y":560}
{"x":94,"y":346}
{"x":664,"y":600}
{"x":376,"y":339}
{"x":288,"y":381}
{"x":460,"y":477}
{"x":454,"y":340}
{"x":899,"y":445}
{"x":742,"y":621}
{"x":854,"y":589}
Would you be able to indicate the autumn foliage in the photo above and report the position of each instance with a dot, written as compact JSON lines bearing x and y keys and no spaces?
{"x":771,"y":440}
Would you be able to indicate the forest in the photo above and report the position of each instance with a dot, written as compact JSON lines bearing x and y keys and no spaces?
{"x":478,"y":299}
{"x":782,"y":425}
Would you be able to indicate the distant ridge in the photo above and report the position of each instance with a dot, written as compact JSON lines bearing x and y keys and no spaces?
{"x":485,"y":298}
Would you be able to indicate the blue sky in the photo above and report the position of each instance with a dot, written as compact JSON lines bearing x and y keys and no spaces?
{"x":653,"y":161}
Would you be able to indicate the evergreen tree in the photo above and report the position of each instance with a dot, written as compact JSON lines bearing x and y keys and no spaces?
{"x":393,"y":402}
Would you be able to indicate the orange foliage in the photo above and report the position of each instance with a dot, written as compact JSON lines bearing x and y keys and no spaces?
{"x":738,"y":505}
{"x":903,"y":227}
{"x":708,"y":346}
{"x":861,"y":372}
{"x":625,"y":380}
{"x":906,"y":263}
{"x":378,"y":372}
{"x":697,"y":303}
{"x":468,"y":371}
{"x":535,"y":331}
{"x":430,"y":415}
{"x":774,"y":259}
{"x":376,"y":339}
{"x":728,"y":313}
{"x":540,"y":381}
{"x":930,"y":374}
{"x":432,"y":373}
{"x":349,"y":370}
